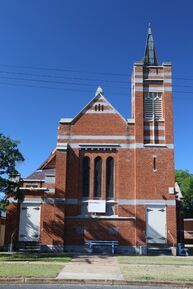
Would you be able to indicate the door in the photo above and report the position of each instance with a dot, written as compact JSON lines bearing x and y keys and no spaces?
{"x":156,"y":224}
{"x":29,"y":227}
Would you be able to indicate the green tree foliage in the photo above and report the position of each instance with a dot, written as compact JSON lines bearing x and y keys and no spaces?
{"x":185,"y":181}
{"x":9,"y":157}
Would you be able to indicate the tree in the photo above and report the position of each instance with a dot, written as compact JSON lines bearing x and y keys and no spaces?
{"x":9,"y":157}
{"x":185,"y":181}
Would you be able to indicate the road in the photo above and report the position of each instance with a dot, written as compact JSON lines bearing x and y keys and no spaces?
{"x":41,"y":286}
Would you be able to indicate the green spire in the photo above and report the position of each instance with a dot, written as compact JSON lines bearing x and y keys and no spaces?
{"x":150,"y":57}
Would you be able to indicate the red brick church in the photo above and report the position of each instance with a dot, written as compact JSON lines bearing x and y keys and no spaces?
{"x":109,"y":178}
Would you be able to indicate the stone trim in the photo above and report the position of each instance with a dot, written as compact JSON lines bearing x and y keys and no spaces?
{"x":97,"y":137}
{"x":153,"y":89}
{"x":154,"y":127}
{"x":147,"y":202}
{"x":121,"y":145}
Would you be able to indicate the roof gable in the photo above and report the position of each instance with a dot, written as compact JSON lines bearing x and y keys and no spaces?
{"x":98,"y":105}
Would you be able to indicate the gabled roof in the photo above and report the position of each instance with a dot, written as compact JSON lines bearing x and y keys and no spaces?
{"x":45,"y":169}
{"x":46,"y":163}
{"x":98,"y":99}
{"x":40,"y":174}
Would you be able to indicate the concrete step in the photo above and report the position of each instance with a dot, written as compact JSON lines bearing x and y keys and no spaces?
{"x":28,"y":246}
{"x":159,"y":251}
{"x":24,"y":250}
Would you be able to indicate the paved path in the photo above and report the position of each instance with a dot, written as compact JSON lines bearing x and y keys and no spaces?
{"x":36,"y":286}
{"x":92,"y":267}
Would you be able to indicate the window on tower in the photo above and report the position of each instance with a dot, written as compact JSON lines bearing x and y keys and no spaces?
{"x":153,"y":106}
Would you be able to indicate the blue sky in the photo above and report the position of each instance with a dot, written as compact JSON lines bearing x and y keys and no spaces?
{"x":54,"y":54}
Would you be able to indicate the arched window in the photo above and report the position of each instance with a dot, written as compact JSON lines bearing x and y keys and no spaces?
{"x":85,"y":176}
{"x":97,"y":178}
{"x":110,"y":178}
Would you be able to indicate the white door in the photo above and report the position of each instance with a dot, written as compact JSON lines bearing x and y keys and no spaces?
{"x":29,"y":227}
{"x":156,"y":224}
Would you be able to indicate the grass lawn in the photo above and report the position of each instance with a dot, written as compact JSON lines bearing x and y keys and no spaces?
{"x":45,"y":257}
{"x":29,"y":270}
{"x":159,"y":260}
{"x":163,"y":268}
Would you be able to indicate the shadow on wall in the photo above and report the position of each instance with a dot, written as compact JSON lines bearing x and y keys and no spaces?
{"x":52,"y":232}
{"x":64,"y":225}
{"x":75,"y":230}
{"x":78,"y":229}
{"x":12,"y":224}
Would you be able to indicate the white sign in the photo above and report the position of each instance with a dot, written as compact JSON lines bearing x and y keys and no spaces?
{"x":96,"y":206}
{"x":171,"y":190}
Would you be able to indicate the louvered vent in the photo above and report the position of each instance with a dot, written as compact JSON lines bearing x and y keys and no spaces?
{"x":158,"y":106}
{"x":153,"y":105}
{"x":148,"y":106}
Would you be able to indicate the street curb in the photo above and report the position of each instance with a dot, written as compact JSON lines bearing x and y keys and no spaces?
{"x":21,"y":280}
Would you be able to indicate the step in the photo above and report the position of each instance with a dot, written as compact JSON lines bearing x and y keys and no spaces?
{"x":28,"y":246}
{"x":156,"y":251}
{"x":29,"y":249}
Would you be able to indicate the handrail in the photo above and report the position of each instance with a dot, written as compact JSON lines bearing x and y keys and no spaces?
{"x":11,"y":244}
{"x":172,"y":237}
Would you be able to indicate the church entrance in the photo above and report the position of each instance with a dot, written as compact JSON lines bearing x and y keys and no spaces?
{"x":29,"y":227}
{"x":156,"y":225}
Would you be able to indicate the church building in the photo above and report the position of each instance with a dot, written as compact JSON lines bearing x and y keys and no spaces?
{"x":108,"y":178}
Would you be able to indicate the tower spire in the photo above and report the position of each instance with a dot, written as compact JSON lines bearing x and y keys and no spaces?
{"x":150,"y":57}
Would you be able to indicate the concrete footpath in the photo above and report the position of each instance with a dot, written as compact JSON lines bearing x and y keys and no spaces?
{"x":92,"y":268}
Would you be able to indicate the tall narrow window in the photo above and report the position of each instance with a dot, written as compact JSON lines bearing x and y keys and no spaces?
{"x":110,"y":178}
{"x":85,"y":177}
{"x":154,"y":163}
{"x":97,"y":178}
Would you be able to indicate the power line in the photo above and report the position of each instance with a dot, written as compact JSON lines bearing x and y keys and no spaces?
{"x":79,"y":78}
{"x":83,"y":90}
{"x":56,"y":82}
{"x":189,"y":92}
{"x":63,"y":77}
{"x":63,"y":70}
{"x":68,"y":83}
{"x":80,"y":71}
{"x":182,"y":78}
{"x":54,"y":88}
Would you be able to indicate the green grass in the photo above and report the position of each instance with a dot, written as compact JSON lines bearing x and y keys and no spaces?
{"x":35,"y":257}
{"x":29,"y":270}
{"x":157,"y":273}
{"x":159,"y":260}
{"x":156,"y":268}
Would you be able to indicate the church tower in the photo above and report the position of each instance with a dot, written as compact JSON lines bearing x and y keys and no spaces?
{"x":152,"y":98}
{"x":154,"y":153}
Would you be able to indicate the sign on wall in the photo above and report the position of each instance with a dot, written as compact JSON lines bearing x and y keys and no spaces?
{"x":96,"y":206}
{"x":171,"y":190}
